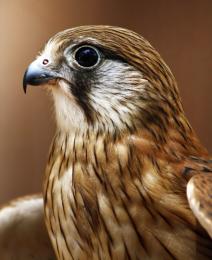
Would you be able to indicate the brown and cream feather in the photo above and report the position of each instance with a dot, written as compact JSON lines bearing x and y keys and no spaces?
{"x":23,"y":235}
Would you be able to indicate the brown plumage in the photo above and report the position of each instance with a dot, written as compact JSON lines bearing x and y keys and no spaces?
{"x":116,"y":180}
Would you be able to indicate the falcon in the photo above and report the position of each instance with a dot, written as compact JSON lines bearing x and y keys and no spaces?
{"x":127,"y":177}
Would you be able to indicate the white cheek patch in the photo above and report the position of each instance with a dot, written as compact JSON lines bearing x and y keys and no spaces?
{"x":117,"y":91}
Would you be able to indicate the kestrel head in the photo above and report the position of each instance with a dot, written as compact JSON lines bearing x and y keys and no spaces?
{"x":107,"y":78}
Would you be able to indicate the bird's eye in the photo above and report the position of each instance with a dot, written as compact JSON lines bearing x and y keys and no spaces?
{"x":87,"y":56}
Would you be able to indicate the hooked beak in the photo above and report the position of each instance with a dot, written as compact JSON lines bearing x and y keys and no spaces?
{"x":37,"y":75}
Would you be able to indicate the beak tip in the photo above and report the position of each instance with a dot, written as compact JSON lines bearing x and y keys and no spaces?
{"x":25,"y":81}
{"x":25,"y":88}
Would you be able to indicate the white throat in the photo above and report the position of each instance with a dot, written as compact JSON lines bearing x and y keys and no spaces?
{"x":69,"y":116}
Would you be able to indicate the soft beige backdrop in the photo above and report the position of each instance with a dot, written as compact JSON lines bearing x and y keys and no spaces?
{"x":180,"y":30}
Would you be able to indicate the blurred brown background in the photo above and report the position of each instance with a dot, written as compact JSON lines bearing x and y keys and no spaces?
{"x":180,"y":30}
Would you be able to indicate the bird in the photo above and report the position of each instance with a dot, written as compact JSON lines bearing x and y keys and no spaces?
{"x":127,"y":176}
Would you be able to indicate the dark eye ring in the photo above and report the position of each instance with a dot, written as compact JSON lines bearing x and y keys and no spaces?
{"x":87,"y":56}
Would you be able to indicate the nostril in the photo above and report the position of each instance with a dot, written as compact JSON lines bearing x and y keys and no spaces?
{"x":45,"y":62}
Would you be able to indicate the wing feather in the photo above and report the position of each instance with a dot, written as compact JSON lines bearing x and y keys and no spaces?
{"x":23,"y":233}
{"x":199,"y":193}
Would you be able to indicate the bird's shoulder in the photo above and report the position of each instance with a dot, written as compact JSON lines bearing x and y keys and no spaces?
{"x":199,"y":191}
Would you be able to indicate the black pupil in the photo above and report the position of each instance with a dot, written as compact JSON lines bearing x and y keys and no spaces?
{"x":86,"y":56}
